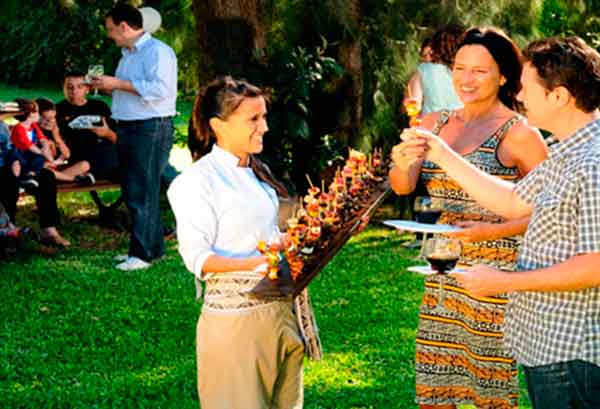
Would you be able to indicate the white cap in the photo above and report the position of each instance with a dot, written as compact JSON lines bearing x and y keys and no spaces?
{"x":151,"y":19}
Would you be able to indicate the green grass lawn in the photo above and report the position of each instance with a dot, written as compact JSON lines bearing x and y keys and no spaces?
{"x":77,"y":333}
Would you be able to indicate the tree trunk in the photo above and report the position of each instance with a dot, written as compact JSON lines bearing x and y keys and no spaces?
{"x":231,"y":34}
{"x":350,"y":57}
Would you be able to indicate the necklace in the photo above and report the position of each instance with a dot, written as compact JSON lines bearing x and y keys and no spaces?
{"x":477,"y":121}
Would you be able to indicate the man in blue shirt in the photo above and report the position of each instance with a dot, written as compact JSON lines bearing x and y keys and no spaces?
{"x":144,"y":91}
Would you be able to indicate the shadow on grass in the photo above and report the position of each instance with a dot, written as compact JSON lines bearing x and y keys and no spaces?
{"x":366,"y":306}
{"x":76,"y":333}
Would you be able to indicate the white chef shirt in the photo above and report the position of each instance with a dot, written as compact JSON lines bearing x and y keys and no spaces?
{"x":222,"y":209}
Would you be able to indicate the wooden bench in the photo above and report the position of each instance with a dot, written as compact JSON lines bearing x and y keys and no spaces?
{"x":106,"y":212}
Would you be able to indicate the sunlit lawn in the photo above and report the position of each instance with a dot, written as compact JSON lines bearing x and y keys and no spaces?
{"x":76,"y":333}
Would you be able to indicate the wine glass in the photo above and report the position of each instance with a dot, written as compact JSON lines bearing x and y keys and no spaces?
{"x":95,"y":70}
{"x":442,"y":254}
{"x":426,"y":211}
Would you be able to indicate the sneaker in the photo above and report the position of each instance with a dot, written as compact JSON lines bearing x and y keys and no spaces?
{"x":85,"y":180}
{"x":133,"y":263}
{"x":29,"y":182}
{"x":121,"y":257}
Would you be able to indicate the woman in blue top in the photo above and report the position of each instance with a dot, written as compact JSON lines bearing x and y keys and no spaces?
{"x":431,"y":86}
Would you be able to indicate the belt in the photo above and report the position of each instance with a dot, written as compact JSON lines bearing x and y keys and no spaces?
{"x":228,"y":294}
{"x":141,"y":121}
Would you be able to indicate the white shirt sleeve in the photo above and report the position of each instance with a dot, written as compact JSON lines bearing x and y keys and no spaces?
{"x":196,"y":222}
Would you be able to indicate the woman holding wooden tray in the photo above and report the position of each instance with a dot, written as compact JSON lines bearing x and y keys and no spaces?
{"x":249,"y":351}
{"x":460,"y":356}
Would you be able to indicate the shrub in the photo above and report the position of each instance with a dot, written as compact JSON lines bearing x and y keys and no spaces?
{"x":297,"y":145}
{"x":41,"y":42}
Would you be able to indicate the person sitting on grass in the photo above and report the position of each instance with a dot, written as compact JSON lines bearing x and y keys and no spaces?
{"x":10,"y":235}
{"x":32,"y":150}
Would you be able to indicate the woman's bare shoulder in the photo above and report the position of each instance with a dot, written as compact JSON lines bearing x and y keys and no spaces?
{"x":523,"y":132}
{"x":523,"y":146}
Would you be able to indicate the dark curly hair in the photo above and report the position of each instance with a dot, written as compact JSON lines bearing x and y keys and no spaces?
{"x":45,"y":104}
{"x":568,"y":62}
{"x":221,"y":98}
{"x":445,"y":42}
{"x":506,"y":54}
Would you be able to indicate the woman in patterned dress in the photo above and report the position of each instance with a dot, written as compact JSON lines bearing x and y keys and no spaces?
{"x":460,"y":356}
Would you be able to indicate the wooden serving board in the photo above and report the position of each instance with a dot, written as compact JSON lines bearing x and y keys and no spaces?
{"x":285,"y":286}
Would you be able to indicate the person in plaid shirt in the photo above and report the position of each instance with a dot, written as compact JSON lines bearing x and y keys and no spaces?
{"x":553,"y":319}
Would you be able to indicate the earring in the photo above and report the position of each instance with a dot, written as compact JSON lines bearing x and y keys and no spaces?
{"x":502,"y":81}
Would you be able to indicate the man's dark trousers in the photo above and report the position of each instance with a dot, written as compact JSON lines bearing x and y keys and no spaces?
{"x":144,"y":148}
{"x":564,"y":385}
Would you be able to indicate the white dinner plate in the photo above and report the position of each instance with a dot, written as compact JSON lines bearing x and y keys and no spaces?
{"x":426,"y":270}
{"x":409,"y":225}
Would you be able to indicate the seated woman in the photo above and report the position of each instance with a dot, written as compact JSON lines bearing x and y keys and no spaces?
{"x":47,"y":124}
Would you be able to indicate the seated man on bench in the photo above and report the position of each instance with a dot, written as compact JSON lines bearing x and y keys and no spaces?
{"x":87,"y":128}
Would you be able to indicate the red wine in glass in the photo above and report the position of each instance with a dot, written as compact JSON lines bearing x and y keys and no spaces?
{"x":428,"y":216}
{"x":442,"y":265}
{"x":442,"y":253}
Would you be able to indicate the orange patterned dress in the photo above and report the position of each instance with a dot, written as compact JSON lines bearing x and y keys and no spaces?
{"x":460,"y":354}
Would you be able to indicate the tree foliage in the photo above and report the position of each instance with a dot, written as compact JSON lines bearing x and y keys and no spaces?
{"x":42,"y":40}
{"x":568,"y":17}
{"x":294,"y":47}
{"x":298,"y":81}
{"x":40,"y":43}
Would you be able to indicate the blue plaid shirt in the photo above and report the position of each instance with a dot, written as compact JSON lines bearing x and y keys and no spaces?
{"x":550,"y":327}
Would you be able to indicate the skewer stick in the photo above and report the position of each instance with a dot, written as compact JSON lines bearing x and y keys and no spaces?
{"x":309,"y":181}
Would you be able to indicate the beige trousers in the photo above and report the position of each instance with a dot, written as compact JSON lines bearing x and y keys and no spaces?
{"x":250,"y":359}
